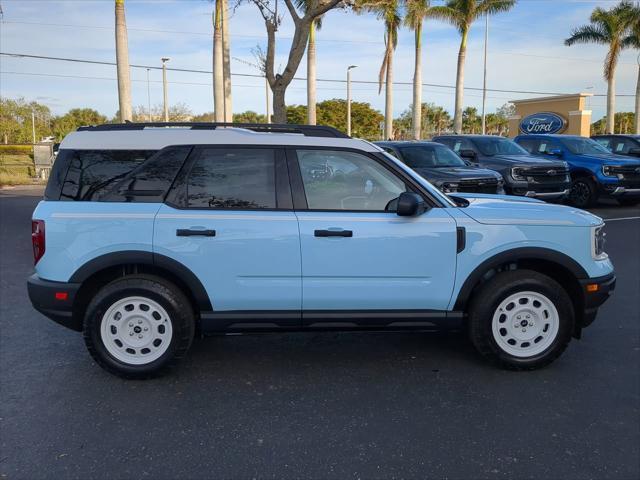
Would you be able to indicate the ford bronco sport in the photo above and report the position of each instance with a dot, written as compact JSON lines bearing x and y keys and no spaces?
{"x":149,"y":233}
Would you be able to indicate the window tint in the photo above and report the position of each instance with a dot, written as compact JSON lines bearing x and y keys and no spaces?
{"x":529,"y":144}
{"x":427,"y":156}
{"x":232,"y":178}
{"x":92,"y":173}
{"x":336,"y":180}
{"x":622,"y":145}
{"x":151,"y":180}
{"x":462,"y":144}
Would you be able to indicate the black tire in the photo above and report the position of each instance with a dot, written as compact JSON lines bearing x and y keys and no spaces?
{"x":488,"y":298}
{"x":583,"y":193}
{"x":628,"y":202}
{"x":164,"y":293}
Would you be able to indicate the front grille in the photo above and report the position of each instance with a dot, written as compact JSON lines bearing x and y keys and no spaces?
{"x":478,"y":185}
{"x":545,"y":174}
{"x":631,"y":173}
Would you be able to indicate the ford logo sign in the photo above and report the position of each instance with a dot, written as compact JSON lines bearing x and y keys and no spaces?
{"x":544,"y":122}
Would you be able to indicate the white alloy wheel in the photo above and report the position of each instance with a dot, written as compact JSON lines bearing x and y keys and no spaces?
{"x":525,"y":324}
{"x":136,"y":330}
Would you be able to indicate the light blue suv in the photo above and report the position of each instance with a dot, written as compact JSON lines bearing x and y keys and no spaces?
{"x":149,"y":233}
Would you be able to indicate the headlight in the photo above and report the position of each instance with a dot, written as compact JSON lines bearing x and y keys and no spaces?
{"x":606,"y":171}
{"x":598,"y":240}
{"x":517,"y":174}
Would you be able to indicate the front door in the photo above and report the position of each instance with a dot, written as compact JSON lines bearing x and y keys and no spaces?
{"x":230,"y":221}
{"x":358,"y":255}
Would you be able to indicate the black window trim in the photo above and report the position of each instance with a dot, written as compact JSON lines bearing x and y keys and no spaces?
{"x":297,"y":185}
{"x":177,"y":196}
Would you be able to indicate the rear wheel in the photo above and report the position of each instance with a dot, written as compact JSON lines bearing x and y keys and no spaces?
{"x":137,"y":326}
{"x":521,"y":319}
{"x":583,"y":192}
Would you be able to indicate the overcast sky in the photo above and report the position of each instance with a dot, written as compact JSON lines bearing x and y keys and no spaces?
{"x":526,"y":52}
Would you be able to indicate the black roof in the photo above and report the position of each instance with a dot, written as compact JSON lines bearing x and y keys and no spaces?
{"x":617,"y":135}
{"x":306,"y":130}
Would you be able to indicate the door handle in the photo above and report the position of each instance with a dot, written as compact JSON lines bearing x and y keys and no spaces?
{"x":333,"y":233}
{"x":187,"y":232}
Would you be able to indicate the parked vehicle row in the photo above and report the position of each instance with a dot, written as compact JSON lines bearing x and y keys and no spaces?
{"x":549,"y":167}
{"x":147,"y":235}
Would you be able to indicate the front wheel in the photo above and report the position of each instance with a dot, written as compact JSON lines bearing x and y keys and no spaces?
{"x":137,"y":326}
{"x":583,"y":192}
{"x":521,"y":319}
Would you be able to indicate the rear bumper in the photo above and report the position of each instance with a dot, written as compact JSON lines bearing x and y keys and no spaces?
{"x":54,"y":300}
{"x":596,"y":291}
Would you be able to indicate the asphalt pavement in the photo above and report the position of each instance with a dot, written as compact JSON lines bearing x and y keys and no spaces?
{"x":318,"y":405}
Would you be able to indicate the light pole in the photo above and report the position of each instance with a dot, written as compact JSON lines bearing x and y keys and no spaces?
{"x":484,"y":84}
{"x":349,"y":98}
{"x":148,"y":97}
{"x":164,"y":87}
{"x":33,"y":125}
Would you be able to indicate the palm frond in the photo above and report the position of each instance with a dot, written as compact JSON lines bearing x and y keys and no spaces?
{"x":447,"y":14}
{"x":611,"y":60}
{"x":490,"y":7}
{"x":588,"y":34}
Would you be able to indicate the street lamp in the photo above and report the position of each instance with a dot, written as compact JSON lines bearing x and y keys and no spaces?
{"x":349,"y":98}
{"x":164,"y":87}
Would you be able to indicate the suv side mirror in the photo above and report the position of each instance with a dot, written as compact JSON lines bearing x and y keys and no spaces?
{"x":410,"y":204}
{"x":635,"y":152}
{"x":470,"y":154}
{"x":556,"y":152}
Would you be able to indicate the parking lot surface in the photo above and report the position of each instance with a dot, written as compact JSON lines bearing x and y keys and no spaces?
{"x":318,"y":405}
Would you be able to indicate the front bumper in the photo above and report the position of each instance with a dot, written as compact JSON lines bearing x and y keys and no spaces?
{"x":625,"y":192}
{"x":54,"y":300}
{"x":595,"y":292}
{"x":541,"y":190}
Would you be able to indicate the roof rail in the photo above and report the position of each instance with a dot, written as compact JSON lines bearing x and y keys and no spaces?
{"x":306,"y":130}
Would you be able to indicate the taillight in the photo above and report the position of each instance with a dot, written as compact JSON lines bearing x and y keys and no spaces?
{"x":37,"y":239}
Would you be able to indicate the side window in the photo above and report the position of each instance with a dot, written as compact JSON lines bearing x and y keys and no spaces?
{"x":92,"y":173}
{"x":234,"y":178}
{"x":337,"y":180}
{"x":151,"y":180}
{"x":622,"y":146}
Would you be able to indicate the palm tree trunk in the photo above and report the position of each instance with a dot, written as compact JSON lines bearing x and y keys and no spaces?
{"x":218,"y":64}
{"x":417,"y":85}
{"x":226,"y":60}
{"x":462,"y":53}
{"x":611,"y":103}
{"x":122,"y":63}
{"x":311,"y":75}
{"x":636,"y":124}
{"x":388,"y":103}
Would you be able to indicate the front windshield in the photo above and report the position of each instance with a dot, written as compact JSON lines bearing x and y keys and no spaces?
{"x":498,"y":146}
{"x":430,"y":156}
{"x":584,"y":146}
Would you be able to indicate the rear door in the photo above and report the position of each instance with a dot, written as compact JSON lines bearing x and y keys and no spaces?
{"x":229,"y":219}
{"x":358,"y":255}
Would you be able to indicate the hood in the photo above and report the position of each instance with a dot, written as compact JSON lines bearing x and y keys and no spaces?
{"x":613,"y":158}
{"x":456,"y":173}
{"x":509,"y":210}
{"x":529,"y":159}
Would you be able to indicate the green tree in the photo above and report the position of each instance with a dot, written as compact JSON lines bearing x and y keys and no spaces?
{"x":606,"y":27}
{"x":461,"y":14}
{"x":16,"y":117}
{"x":249,"y":117}
{"x":74,"y":118}
{"x":389,"y":12}
{"x":471,"y":121}
{"x":624,"y":123}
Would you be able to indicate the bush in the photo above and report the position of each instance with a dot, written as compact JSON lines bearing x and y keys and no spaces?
{"x":16,"y":150}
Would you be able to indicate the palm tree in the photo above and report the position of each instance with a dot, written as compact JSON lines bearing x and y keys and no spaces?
{"x":632,"y":40}
{"x":461,"y":14}
{"x":606,"y":27}
{"x":416,"y":11}
{"x":122,"y":63}
{"x":311,"y":61}
{"x":218,"y":62}
{"x":389,"y":12}
{"x":226,"y":63}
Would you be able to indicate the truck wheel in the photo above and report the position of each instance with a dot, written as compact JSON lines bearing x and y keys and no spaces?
{"x":521,"y":319}
{"x":583,"y":192}
{"x":137,"y":326}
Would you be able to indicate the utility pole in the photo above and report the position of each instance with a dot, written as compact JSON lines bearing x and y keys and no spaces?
{"x":268,"y":95}
{"x":164,"y":87}
{"x":33,"y":125}
{"x":148,"y":97}
{"x":484,"y":83}
{"x":349,"y":98}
